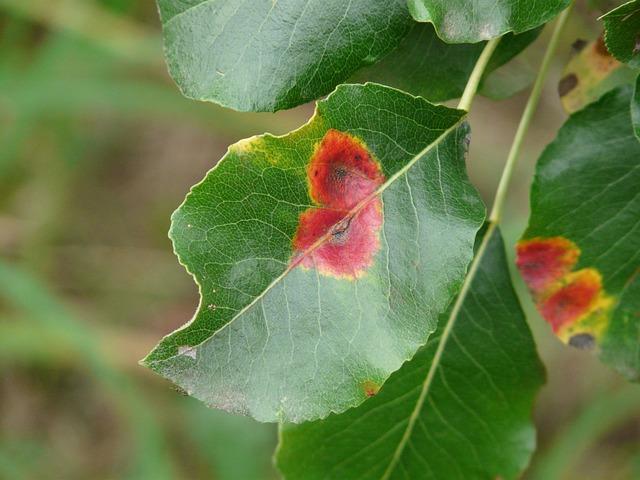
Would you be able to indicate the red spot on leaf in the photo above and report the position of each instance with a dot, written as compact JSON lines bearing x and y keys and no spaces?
{"x":342,"y":172}
{"x":370,"y":388}
{"x":543,"y":261}
{"x":340,"y":236}
{"x":573,"y":300}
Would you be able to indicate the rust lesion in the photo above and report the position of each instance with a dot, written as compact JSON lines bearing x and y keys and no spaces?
{"x":573,"y":302}
{"x":370,"y":388}
{"x":339,"y":236}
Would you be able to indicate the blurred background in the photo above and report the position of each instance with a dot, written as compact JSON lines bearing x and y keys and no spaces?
{"x":97,"y":148}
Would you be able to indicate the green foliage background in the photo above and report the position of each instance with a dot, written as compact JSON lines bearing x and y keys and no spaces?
{"x":97,"y":147}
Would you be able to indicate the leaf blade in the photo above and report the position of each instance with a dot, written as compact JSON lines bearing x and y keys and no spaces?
{"x":622,"y":25}
{"x":458,"y":22}
{"x":267,"y":56}
{"x":580,"y":252}
{"x":453,"y":437}
{"x":334,"y":347}
{"x":426,"y":66}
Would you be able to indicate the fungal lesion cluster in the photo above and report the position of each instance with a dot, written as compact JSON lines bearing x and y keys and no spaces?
{"x":340,"y":235}
{"x":572,"y":301}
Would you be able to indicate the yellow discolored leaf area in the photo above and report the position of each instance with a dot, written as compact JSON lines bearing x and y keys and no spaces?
{"x":591,"y":72}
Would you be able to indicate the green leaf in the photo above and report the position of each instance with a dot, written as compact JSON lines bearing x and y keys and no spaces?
{"x":622,"y":27}
{"x":461,"y":21}
{"x":268,"y":55}
{"x":580,"y":255}
{"x":425,"y":65}
{"x":635,"y":109}
{"x":324,"y":257}
{"x":604,"y":5}
{"x":590,"y":74}
{"x":462,"y":413}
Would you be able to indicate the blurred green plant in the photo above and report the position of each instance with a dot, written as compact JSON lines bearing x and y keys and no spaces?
{"x":71,"y":70}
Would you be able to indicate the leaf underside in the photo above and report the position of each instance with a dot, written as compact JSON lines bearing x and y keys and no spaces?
{"x":473,"y":419}
{"x":580,"y":255}
{"x":284,"y":334}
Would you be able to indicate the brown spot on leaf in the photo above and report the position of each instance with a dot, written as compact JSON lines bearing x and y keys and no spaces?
{"x":583,"y":341}
{"x":579,"y":45}
{"x":567,"y":83}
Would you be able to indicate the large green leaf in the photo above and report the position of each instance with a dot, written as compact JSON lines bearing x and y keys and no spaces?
{"x":635,"y":109}
{"x":425,"y":65}
{"x":267,"y":55}
{"x":470,"y":21}
{"x":580,"y":255}
{"x":462,"y":413}
{"x":622,"y":27}
{"x":324,"y":257}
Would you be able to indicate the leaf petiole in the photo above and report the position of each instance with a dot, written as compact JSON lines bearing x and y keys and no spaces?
{"x":476,"y":75}
{"x":527,"y":116}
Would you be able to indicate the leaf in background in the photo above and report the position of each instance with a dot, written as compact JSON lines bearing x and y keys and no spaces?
{"x":580,"y":255}
{"x":604,"y":5}
{"x":424,"y":65}
{"x":508,"y":80}
{"x":463,"y":413}
{"x":461,"y":21}
{"x":622,"y":33}
{"x":315,"y":291}
{"x":635,"y":109}
{"x":266,"y":55}
{"x":589,"y":74}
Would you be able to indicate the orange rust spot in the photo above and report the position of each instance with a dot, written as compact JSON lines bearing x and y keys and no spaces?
{"x":342,"y":172}
{"x":573,"y":303}
{"x":370,"y":388}
{"x":573,"y":300}
{"x":340,"y":236}
{"x":543,"y":261}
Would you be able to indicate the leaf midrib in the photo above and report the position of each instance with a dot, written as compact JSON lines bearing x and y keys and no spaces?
{"x":437,"y":358}
{"x":321,"y":240}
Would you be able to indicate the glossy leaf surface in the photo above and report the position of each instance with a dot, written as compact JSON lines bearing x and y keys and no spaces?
{"x":622,"y":27}
{"x":425,"y":65}
{"x":635,"y":109}
{"x":464,"y":414}
{"x":591,"y":73}
{"x":265,"y":55}
{"x":324,"y":257}
{"x":580,"y":255}
{"x":465,"y":21}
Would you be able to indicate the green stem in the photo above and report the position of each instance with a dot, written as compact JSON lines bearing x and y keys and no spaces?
{"x":465,"y":102}
{"x":476,"y":75}
{"x":527,"y":116}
